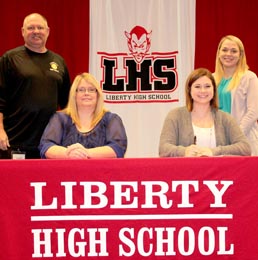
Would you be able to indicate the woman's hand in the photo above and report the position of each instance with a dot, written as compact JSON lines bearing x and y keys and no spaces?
{"x":77,"y":151}
{"x":197,"y":151}
{"x":192,"y":151}
{"x":205,"y":151}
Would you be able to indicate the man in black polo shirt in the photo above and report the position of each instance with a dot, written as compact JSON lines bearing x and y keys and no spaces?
{"x":34,"y":83}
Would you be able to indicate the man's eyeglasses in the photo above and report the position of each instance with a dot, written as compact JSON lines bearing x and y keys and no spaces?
{"x":84,"y":90}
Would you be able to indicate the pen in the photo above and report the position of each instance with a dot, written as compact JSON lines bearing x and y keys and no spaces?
{"x":194,"y":140}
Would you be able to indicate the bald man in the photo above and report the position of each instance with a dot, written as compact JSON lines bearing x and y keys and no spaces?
{"x":34,"y":83}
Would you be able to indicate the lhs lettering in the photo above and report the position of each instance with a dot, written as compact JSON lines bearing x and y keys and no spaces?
{"x":153,"y":74}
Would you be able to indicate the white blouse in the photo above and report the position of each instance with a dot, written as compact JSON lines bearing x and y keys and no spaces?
{"x":205,"y":137}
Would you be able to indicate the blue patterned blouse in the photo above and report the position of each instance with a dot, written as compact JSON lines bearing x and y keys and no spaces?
{"x":62,"y":131}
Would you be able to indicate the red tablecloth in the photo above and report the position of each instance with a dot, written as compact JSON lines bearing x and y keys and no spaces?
{"x":150,"y":208}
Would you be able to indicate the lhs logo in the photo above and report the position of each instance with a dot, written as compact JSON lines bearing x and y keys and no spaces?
{"x":139,"y":76}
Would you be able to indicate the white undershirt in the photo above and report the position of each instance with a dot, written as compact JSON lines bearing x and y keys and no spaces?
{"x":205,"y":137}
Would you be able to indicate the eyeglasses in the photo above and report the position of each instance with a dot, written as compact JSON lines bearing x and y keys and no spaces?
{"x":84,"y":90}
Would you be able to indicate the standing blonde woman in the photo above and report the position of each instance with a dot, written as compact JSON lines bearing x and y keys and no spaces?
{"x":84,"y":129}
{"x":237,"y":87}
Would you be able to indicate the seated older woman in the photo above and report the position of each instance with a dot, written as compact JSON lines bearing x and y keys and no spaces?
{"x":84,"y":129}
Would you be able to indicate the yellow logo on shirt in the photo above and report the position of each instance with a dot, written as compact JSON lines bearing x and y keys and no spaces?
{"x":54,"y":66}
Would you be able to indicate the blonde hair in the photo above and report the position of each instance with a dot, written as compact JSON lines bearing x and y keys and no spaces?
{"x":194,"y":75}
{"x":241,"y":68}
{"x":71,"y":108}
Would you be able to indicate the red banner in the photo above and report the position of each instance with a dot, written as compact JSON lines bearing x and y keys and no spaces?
{"x":173,"y":208}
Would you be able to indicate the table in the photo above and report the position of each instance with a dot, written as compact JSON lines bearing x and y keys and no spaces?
{"x":134,"y":208}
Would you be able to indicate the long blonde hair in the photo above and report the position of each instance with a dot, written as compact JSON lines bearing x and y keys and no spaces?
{"x":71,"y":108}
{"x":241,"y":68}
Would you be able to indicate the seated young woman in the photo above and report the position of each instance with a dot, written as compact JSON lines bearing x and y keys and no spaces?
{"x":200,"y":128}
